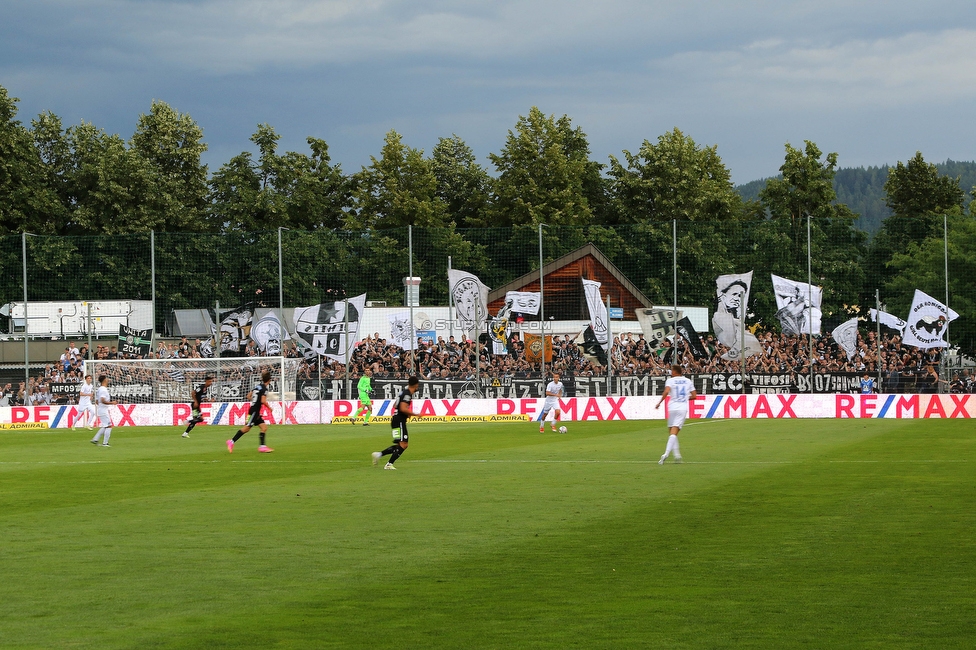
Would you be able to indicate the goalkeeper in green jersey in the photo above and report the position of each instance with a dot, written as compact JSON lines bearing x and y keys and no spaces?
{"x":365,"y":387}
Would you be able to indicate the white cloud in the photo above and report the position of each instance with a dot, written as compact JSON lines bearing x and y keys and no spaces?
{"x":911,"y":69}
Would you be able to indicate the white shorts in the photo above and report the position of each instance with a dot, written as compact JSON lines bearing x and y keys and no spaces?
{"x":676,"y":417}
{"x":104,"y":419}
{"x":85,"y":404}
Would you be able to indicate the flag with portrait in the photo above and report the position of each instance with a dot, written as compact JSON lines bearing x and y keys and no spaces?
{"x":845,"y":335}
{"x":728,"y":321}
{"x":470,"y":296}
{"x":798,"y":306}
{"x":269,"y":334}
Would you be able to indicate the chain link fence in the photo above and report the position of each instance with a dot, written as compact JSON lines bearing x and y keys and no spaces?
{"x":80,"y":289}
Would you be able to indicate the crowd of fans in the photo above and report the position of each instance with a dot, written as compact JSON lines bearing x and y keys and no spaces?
{"x":903,"y":367}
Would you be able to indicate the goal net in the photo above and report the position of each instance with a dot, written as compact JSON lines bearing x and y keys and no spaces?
{"x":162,"y":381}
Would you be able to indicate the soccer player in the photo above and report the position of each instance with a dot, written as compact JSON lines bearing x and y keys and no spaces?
{"x":197,"y":397}
{"x":399,"y":423}
{"x":365,"y":387}
{"x":104,"y":400}
{"x":554,"y":390}
{"x":86,"y":410}
{"x":681,"y":391}
{"x":258,"y":397}
{"x":867,"y":385}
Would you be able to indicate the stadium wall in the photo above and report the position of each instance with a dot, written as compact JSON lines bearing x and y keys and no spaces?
{"x":895,"y":406}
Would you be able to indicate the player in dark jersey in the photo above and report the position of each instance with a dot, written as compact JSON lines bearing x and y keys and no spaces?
{"x":197,"y":399}
{"x":259,"y":397}
{"x":403,"y":411}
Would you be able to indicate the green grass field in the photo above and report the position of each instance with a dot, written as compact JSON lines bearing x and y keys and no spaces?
{"x":772,"y":534}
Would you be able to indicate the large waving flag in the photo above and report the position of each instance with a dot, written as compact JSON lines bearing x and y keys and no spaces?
{"x":927,"y":323}
{"x":598,"y":310}
{"x":331,"y":328}
{"x":470,"y":301}
{"x":797,"y":306}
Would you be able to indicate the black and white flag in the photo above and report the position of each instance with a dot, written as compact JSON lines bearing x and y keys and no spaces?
{"x":594,"y":351}
{"x":235,"y":330}
{"x":846,"y":336}
{"x":331,"y":329}
{"x":657,"y":323}
{"x":927,"y":323}
{"x":269,"y":334}
{"x":402,"y":333}
{"x":888,"y":320}
{"x":599,"y":320}
{"x":470,"y":297}
{"x":732,"y":291}
{"x":687,"y":331}
{"x":798,"y":306}
{"x":524,"y":302}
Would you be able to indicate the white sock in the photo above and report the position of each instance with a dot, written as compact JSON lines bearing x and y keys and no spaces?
{"x":674,"y":448}
{"x":98,"y":434}
{"x":672,"y":445}
{"x":108,"y":434}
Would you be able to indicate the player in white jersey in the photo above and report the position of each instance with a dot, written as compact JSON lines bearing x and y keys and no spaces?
{"x":86,"y":409}
{"x":103,"y":400}
{"x":554,"y":390}
{"x":682,"y":391}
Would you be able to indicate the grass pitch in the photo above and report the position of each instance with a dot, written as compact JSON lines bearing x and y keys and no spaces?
{"x":772,"y":534}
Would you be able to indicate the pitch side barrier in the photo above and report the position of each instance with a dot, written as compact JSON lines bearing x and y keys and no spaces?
{"x":605,"y":409}
{"x":636,"y":386}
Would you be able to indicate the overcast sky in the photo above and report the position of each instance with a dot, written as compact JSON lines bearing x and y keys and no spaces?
{"x":873,"y":81}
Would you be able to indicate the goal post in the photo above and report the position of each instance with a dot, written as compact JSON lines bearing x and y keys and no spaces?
{"x":165,"y":381}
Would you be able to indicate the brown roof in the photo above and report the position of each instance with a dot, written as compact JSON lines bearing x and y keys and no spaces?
{"x":564,"y":298}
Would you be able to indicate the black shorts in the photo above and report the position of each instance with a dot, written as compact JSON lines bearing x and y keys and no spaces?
{"x":254,"y":419}
{"x":400,"y":431}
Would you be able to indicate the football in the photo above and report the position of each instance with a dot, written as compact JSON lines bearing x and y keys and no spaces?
{"x":563,"y":429}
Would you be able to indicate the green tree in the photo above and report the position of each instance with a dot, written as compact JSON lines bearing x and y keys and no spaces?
{"x":544,"y":174}
{"x":171,"y":144}
{"x":398,"y":189}
{"x":778,"y":244}
{"x":110,"y":184}
{"x":294,"y":190}
{"x":27,"y":203}
{"x":673,"y":179}
{"x":921,"y":265}
{"x":462,"y":184}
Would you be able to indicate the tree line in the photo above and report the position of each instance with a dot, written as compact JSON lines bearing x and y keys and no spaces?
{"x":348,"y":231}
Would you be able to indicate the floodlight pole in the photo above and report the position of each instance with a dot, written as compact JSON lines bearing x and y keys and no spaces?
{"x":152,"y":264}
{"x":542,"y":309}
{"x":674,"y":277}
{"x":877,"y":313}
{"x":945,"y":250}
{"x":23,"y":244}
{"x":810,"y":298}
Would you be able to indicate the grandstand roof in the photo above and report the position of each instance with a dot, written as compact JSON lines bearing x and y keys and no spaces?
{"x":564,"y":298}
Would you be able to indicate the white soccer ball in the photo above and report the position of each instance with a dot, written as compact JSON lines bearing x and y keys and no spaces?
{"x":563,"y":429}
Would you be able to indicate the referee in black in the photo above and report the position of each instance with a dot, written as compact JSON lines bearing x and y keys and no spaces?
{"x":197,"y":397}
{"x":402,"y":412}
